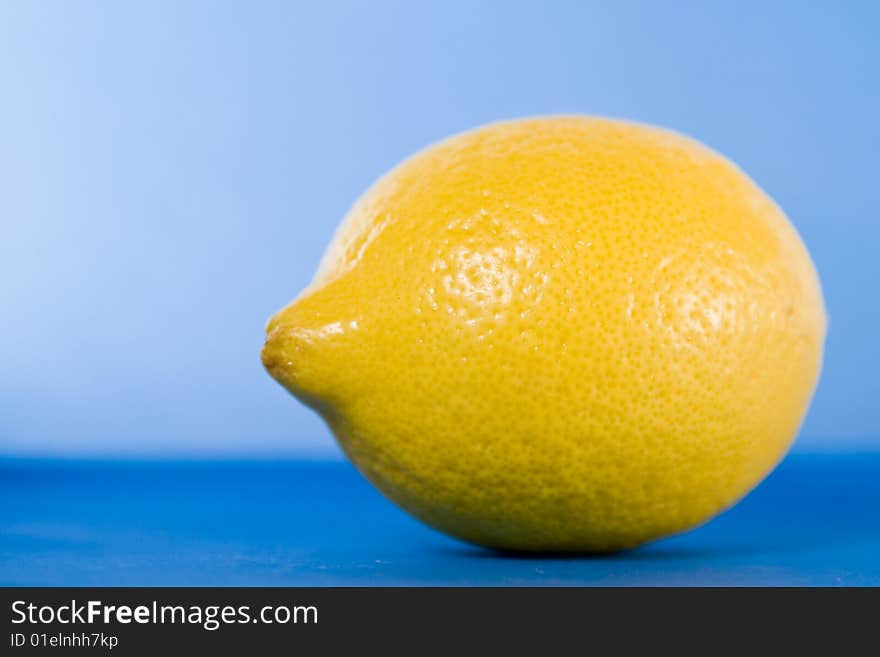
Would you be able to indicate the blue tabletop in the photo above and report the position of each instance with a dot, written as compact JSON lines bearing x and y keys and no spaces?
{"x":815,"y":521}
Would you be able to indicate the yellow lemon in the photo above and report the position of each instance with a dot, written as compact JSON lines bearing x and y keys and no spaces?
{"x":559,"y":334}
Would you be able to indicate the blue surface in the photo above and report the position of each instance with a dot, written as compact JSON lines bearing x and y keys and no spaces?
{"x":172,"y":171}
{"x":815,"y":521}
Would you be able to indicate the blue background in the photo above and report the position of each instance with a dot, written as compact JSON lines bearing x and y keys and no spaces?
{"x":170,"y":173}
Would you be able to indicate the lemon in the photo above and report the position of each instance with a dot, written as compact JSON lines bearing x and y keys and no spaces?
{"x":559,"y":334}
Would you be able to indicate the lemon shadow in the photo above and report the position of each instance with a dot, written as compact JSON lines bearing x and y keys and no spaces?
{"x":659,"y":553}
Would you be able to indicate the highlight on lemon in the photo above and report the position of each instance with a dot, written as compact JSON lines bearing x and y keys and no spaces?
{"x":559,"y":334}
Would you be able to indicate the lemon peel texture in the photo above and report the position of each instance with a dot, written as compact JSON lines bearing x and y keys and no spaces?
{"x":559,"y":334}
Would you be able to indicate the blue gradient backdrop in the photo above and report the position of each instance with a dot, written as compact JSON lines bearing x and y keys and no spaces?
{"x":171,"y":172}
